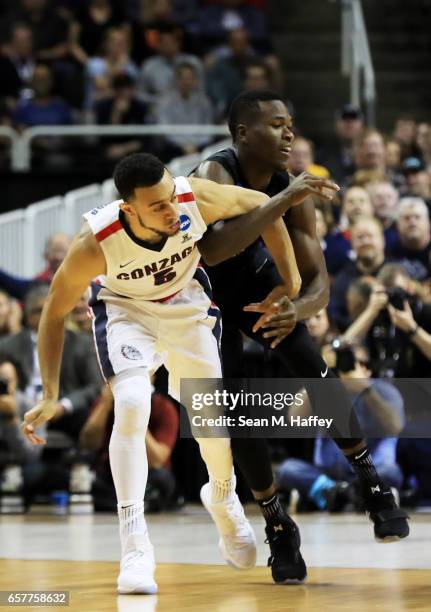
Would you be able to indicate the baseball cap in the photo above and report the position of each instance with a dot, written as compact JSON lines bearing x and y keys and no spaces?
{"x":350,"y":111}
{"x":411,"y":165}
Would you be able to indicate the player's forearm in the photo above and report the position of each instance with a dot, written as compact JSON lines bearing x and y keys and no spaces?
{"x":230,"y":238}
{"x":50,"y":348}
{"x":278,"y":241}
{"x":314,"y":296}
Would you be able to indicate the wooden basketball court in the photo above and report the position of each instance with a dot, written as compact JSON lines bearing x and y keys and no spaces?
{"x":347,"y":569}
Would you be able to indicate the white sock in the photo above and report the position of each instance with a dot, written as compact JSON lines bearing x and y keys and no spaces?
{"x":133,"y":527}
{"x":222,"y":490}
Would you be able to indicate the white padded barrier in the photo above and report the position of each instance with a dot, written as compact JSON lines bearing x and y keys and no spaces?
{"x":78,"y":202}
{"x":42,"y":220}
{"x":12,"y":242}
{"x":181,"y":166}
{"x":109,"y":192}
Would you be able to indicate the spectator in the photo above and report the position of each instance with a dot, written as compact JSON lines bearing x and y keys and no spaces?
{"x":418,"y":181}
{"x":13,"y":405}
{"x":95,"y":18}
{"x":80,"y":318}
{"x":370,"y":156}
{"x":50,"y":33}
{"x":368,"y":244}
{"x":44,"y":108}
{"x":226,"y":69}
{"x":157,"y":16}
{"x":335,"y":246}
{"x":114,"y":60}
{"x":16,"y":63}
{"x":215,"y":21}
{"x":356,"y":205}
{"x":122,"y":108}
{"x":380,"y":410}
{"x":55,"y":251}
{"x":10,"y":315}
{"x":338,"y":155}
{"x":393,"y":156}
{"x":413,"y":246}
{"x":321,"y":329}
{"x":257,"y":77}
{"x":160,"y":441}
{"x":185,"y":103}
{"x":302,"y":159}
{"x":405,"y":132}
{"x":49,"y":29}
{"x":80,"y":380}
{"x":158,"y":72}
{"x":423,"y":140}
{"x":385,"y":200}
{"x":396,"y":325}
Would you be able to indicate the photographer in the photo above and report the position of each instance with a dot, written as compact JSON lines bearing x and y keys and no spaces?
{"x":14,"y":447}
{"x":327,"y":483}
{"x":396,"y":325}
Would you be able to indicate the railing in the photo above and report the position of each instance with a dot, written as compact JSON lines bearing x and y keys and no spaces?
{"x":23,"y":233}
{"x":356,"y":59}
{"x":21,"y":144}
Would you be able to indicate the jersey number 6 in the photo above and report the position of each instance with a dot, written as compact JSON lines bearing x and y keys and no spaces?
{"x":165,"y":276}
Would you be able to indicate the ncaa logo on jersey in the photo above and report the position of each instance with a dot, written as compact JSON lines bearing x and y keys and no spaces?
{"x":130,"y":352}
{"x":185,"y":223}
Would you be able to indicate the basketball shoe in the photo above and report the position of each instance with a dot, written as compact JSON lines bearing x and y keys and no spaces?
{"x":286,"y":562}
{"x":137,"y":569}
{"x":390,"y":522}
{"x":237,"y":540}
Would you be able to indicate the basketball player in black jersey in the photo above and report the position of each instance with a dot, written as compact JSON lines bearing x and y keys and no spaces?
{"x":262,"y":135}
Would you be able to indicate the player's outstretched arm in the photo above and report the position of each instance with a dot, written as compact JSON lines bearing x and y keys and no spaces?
{"x":262,"y":218}
{"x":83,"y":262}
{"x":231,"y":238}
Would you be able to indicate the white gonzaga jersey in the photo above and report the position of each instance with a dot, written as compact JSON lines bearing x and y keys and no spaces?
{"x":142,"y":270}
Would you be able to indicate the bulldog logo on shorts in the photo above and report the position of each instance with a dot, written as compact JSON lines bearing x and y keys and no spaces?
{"x":130,"y":352}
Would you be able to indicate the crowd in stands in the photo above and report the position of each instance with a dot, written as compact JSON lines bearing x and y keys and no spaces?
{"x":183,"y":61}
{"x":65,"y":62}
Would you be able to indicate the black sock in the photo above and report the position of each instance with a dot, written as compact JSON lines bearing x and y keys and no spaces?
{"x":368,"y":477}
{"x":272,"y":510}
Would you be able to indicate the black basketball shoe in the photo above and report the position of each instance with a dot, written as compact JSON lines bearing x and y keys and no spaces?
{"x":286,"y":562}
{"x":390,"y":522}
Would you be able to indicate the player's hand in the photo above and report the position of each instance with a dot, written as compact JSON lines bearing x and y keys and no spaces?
{"x":36,"y":417}
{"x":306,"y":185}
{"x":279,"y":315}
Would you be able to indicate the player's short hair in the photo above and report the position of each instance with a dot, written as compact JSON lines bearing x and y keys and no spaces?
{"x":246,"y":105}
{"x":137,"y":170}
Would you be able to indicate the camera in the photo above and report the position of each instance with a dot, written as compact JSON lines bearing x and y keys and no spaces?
{"x":4,"y":387}
{"x":397,"y":296}
{"x":344,"y":357}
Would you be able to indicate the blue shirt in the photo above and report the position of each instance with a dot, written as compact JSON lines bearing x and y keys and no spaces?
{"x":55,"y":112}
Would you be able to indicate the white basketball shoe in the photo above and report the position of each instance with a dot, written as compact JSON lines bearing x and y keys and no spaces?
{"x":237,"y":540}
{"x":137,"y":570}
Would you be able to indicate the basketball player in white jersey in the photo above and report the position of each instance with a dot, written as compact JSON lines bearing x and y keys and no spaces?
{"x":151,"y":304}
